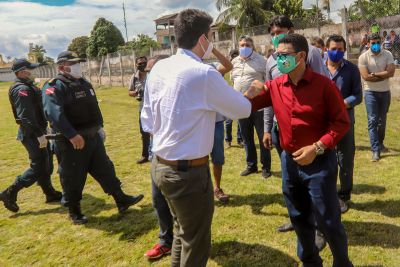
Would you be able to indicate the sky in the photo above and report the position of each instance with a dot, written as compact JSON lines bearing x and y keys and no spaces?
{"x":54,"y":23}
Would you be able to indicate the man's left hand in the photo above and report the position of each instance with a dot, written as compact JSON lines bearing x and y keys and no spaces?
{"x":255,"y":89}
{"x":305,"y":155}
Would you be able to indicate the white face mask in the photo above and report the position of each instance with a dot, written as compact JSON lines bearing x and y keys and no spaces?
{"x":76,"y":71}
{"x":208,"y":52}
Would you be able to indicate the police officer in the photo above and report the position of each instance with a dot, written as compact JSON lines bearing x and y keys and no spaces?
{"x":26,"y":104}
{"x":71,"y":106}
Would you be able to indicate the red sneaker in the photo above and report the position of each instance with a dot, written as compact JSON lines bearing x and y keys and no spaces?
{"x":157,"y":252}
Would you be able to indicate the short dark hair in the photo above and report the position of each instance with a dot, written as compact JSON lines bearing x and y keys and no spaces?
{"x":246,"y":38}
{"x":337,"y":39}
{"x":189,"y":25}
{"x":317,"y":40}
{"x":299,"y":42}
{"x":374,"y":36}
{"x":233,"y":53}
{"x":139,"y":58}
{"x":280,"y":21}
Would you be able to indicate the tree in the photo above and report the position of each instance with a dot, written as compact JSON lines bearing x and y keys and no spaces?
{"x":79,"y":45}
{"x":291,"y":8}
{"x":245,"y":13}
{"x":39,"y":52}
{"x":104,"y":38}
{"x":141,"y":44}
{"x":372,"y":9}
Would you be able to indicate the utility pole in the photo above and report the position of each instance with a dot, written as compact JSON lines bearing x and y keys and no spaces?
{"x":319,"y":28}
{"x":126,"y":28}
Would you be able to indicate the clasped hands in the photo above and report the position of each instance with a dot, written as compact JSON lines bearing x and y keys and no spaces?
{"x":255,"y":89}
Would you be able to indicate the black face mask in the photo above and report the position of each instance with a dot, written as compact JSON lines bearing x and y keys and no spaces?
{"x":141,"y":67}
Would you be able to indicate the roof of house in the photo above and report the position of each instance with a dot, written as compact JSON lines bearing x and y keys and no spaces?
{"x":166,"y":18}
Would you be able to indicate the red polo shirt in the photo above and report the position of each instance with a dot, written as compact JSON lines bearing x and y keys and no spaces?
{"x":311,"y":111}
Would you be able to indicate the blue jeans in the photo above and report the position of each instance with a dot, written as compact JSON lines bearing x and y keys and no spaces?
{"x":310,"y":196}
{"x":377,"y":104}
{"x":228,"y":132}
{"x":345,"y":151}
{"x":256,"y":120}
{"x":164,"y":216}
{"x":217,"y":153}
{"x":275,"y":138}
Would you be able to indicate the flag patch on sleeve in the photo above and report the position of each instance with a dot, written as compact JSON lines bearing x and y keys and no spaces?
{"x":23,"y":93}
{"x":50,"y":91}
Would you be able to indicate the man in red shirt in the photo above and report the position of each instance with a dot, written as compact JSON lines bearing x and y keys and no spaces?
{"x":312,"y":119}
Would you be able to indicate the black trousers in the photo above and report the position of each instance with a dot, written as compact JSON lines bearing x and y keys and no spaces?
{"x":74,"y":165}
{"x":145,"y":141}
{"x":41,"y":165}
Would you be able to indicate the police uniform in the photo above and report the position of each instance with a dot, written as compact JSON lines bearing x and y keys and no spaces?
{"x":71,"y":106}
{"x":26,"y":104}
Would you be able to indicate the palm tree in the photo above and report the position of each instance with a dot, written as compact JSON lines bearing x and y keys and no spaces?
{"x":245,"y":13}
{"x":38,"y":49}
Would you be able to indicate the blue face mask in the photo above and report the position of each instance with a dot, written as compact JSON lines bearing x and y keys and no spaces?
{"x":376,"y":48}
{"x":245,"y":52}
{"x":335,"y":55}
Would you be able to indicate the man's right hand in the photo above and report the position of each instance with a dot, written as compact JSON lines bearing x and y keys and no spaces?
{"x":267,"y":141}
{"x":77,"y":141}
{"x":255,"y":89}
{"x":132,"y":93}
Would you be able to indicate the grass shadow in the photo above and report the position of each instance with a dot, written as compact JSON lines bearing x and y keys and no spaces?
{"x":390,"y":208}
{"x":368,"y":148}
{"x":372,"y":234}
{"x":130,"y":225}
{"x":234,"y":253}
{"x":256,"y":201}
{"x":359,"y":189}
{"x":90,"y":206}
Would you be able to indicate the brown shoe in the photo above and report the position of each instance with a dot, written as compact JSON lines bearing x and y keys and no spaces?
{"x":142,"y":160}
{"x":220,"y":195}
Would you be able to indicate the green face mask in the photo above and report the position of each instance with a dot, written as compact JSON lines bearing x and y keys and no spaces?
{"x":277,"y":38}
{"x":286,"y":63}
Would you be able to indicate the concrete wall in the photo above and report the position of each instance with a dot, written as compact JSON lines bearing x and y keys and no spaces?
{"x":6,"y":75}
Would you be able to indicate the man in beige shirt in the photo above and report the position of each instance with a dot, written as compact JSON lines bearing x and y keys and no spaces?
{"x":248,"y":67}
{"x":376,"y":67}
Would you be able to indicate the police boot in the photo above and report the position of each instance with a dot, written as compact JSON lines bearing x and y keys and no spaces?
{"x":124,"y":201}
{"x":9,"y":197}
{"x":76,"y":215}
{"x":52,"y":195}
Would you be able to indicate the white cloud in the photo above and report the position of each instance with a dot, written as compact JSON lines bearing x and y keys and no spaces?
{"x":54,"y":26}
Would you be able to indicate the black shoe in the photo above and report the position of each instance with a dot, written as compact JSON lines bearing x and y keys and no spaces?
{"x":320,"y":241}
{"x":266,"y":174}
{"x":124,"y":201}
{"x":9,"y":201}
{"x":76,"y":215}
{"x":9,"y":197}
{"x":375,"y":156}
{"x":248,"y":171}
{"x":53,"y":197}
{"x":384,"y":149}
{"x":344,"y":206}
{"x":285,"y":227}
{"x":142,"y":160}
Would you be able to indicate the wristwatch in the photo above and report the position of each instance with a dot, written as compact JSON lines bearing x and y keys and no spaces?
{"x":318,"y":150}
{"x":372,"y":73}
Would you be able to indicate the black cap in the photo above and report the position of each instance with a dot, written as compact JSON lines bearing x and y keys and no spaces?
{"x":68,"y":56}
{"x":21,"y":64}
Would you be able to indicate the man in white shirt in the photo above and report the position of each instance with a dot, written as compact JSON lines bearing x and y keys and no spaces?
{"x":182,"y":97}
{"x":247,"y":67}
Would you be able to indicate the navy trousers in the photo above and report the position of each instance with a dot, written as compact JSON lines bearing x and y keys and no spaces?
{"x":164,"y":216}
{"x":310,"y":195}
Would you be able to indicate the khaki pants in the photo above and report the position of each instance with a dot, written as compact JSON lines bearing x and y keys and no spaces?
{"x":190,"y":197}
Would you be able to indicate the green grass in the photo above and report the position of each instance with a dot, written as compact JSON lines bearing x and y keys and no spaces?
{"x":243,"y":232}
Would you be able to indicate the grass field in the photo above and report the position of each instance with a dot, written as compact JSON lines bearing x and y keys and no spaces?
{"x":243,"y":232}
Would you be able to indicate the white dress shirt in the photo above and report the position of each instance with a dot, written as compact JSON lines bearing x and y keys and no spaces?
{"x":245,"y":71}
{"x":182,"y":97}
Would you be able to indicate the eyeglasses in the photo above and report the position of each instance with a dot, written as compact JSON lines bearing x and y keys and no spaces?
{"x":372,"y":43}
{"x":284,"y":55}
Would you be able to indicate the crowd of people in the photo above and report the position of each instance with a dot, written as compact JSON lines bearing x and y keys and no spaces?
{"x":300,"y":101}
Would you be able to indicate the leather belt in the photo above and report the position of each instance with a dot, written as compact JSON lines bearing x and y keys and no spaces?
{"x":184,"y":163}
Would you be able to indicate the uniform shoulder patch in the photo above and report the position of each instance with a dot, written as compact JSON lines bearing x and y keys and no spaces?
{"x":23,"y":92}
{"x":50,"y":90}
